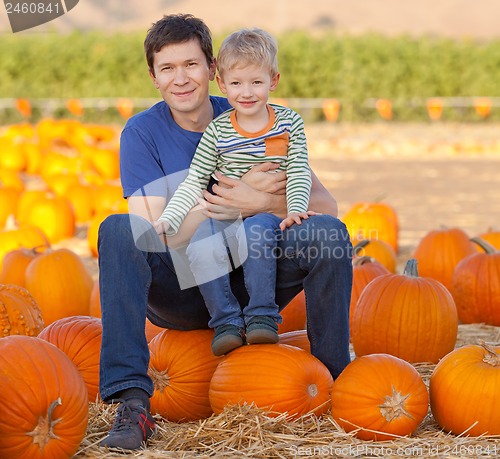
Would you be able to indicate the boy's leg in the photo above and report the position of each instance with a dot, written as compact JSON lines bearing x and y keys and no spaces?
{"x":259,"y":241}
{"x":134,"y":283}
{"x":210,"y":264}
{"x":317,"y":255}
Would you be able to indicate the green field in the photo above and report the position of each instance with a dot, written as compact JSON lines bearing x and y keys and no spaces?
{"x":351,"y":69}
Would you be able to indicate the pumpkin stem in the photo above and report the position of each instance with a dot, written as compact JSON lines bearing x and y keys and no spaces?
{"x":411,"y":268}
{"x":491,"y":358}
{"x":394,"y":406}
{"x":486,"y":246}
{"x":312,"y":390}
{"x":161,"y":379}
{"x":360,"y":246}
{"x":44,"y":432}
{"x":363,"y":260}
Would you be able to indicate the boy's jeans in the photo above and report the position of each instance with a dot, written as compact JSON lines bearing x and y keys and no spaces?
{"x":134,"y":282}
{"x":217,"y":248}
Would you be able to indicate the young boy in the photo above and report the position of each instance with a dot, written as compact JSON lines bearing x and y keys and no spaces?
{"x":252,"y":132}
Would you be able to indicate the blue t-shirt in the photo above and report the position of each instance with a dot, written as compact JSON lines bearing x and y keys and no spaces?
{"x":155,"y":152}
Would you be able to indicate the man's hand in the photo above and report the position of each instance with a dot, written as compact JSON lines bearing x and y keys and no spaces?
{"x":295,"y":217}
{"x":236,"y":194}
{"x":217,"y":212}
{"x":265,"y":177}
{"x":161,"y":227}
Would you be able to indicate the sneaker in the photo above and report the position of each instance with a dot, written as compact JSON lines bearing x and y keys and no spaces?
{"x":132,"y":426}
{"x":262,"y":330}
{"x":227,"y":338}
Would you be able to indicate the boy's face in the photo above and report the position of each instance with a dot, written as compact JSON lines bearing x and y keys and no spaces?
{"x":182,"y":75}
{"x":247,"y":88}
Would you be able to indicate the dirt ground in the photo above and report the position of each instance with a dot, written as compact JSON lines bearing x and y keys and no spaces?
{"x":432,"y":174}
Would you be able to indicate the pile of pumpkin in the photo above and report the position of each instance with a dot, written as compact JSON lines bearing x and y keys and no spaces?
{"x":51,"y":327}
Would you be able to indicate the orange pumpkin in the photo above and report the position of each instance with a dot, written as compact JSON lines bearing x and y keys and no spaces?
{"x":476,"y":286}
{"x":15,"y":264}
{"x":46,"y":397}
{"x":152,"y":330}
{"x":79,"y":337}
{"x":95,"y":300}
{"x":19,"y":313}
{"x":294,"y":314}
{"x":364,"y":270}
{"x":373,"y":220}
{"x":81,"y":198}
{"x":60,"y":284}
{"x":465,"y":391}
{"x":492,"y":237}
{"x":28,"y":237}
{"x":181,"y":366}
{"x":53,"y":214}
{"x":9,"y":198}
{"x":439,"y":252}
{"x":380,"y":250}
{"x":275,"y":377}
{"x":379,"y":397}
{"x":297,"y":338}
{"x":408,"y":316}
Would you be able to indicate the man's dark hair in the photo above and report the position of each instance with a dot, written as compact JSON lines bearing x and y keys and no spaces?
{"x":177,"y":28}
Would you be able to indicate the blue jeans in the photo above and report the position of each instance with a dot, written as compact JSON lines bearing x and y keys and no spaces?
{"x":217,"y":247}
{"x":135,"y":282}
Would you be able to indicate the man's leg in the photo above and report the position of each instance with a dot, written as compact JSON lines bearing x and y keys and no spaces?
{"x":135,"y":281}
{"x":317,"y":255}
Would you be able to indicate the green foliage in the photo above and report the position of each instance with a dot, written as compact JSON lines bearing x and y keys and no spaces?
{"x":351,"y":69}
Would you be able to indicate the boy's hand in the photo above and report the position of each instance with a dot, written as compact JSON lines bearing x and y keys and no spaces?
{"x":295,"y":217}
{"x":161,"y":226}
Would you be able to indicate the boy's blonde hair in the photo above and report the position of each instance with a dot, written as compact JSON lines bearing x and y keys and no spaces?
{"x":248,"y":47}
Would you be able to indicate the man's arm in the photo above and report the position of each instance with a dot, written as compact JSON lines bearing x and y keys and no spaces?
{"x":151,"y":207}
{"x":233,"y":193}
{"x":321,"y":200}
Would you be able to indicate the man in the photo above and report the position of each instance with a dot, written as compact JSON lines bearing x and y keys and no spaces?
{"x":137,"y":275}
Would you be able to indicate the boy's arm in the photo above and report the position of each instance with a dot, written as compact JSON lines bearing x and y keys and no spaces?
{"x":298,"y":185}
{"x":236,"y":194}
{"x":190,"y":190}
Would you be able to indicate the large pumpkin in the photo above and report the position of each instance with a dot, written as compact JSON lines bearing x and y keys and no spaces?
{"x":79,"y":337}
{"x":27,"y":236}
{"x":294,"y":314}
{"x":380,"y":250}
{"x":181,"y":366}
{"x":364,"y":270}
{"x":373,"y":220}
{"x":379,"y":397}
{"x":439,"y":252}
{"x":465,"y":391}
{"x":476,"y":286}
{"x":15,"y":264}
{"x":60,"y":284}
{"x":19,"y":312}
{"x":53,"y":214}
{"x":297,"y":338}
{"x":492,"y":237}
{"x":411,"y":317}
{"x":275,"y":377}
{"x":44,"y":400}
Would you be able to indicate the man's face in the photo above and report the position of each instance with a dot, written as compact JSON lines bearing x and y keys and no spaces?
{"x":182,"y":75}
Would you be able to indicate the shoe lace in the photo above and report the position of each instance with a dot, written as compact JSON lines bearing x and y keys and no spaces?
{"x":125,"y":419}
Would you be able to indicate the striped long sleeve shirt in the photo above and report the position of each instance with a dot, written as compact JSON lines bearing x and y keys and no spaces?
{"x":227,"y":148}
